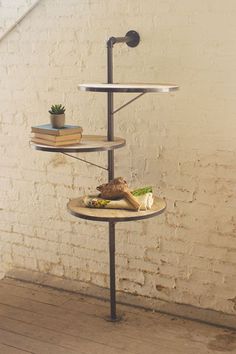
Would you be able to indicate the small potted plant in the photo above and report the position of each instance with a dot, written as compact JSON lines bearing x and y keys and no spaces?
{"x":57,"y":116}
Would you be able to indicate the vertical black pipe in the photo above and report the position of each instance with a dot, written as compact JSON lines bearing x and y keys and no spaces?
{"x":110,"y":136}
{"x":110,"y":122}
{"x":112,"y":270}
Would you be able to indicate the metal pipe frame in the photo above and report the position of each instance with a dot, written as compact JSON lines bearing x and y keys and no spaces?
{"x":110,"y":136}
{"x":131,"y":39}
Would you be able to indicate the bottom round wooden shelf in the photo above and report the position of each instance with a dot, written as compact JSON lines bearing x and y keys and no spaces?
{"x":76,"y":208}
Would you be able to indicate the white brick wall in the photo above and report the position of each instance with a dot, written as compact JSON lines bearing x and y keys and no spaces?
{"x":183,"y":144}
{"x":10,"y":11}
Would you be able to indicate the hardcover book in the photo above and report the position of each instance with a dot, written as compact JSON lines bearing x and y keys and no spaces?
{"x":55,"y":143}
{"x":47,"y":129}
{"x":56,"y":138}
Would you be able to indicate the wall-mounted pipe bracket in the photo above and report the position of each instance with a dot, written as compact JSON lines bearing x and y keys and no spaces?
{"x":131,"y":38}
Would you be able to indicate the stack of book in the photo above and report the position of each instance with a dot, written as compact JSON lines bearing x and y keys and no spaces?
{"x":46,"y":135}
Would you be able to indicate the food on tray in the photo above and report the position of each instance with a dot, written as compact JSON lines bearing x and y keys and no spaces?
{"x":143,"y":196}
{"x":118,"y":188}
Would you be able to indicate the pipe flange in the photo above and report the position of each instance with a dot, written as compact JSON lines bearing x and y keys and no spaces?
{"x":134,"y":38}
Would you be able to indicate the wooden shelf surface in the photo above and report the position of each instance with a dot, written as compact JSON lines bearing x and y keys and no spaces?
{"x":88,"y":143}
{"x":77,"y":208}
{"x":161,"y":88}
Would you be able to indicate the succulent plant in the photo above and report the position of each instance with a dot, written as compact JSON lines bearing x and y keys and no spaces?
{"x":57,"y":109}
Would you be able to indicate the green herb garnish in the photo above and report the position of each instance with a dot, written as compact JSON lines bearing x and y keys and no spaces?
{"x":141,"y":191}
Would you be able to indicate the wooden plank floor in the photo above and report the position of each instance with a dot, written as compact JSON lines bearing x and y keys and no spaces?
{"x":41,"y":320}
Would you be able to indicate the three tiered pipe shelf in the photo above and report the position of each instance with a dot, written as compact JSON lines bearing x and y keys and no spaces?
{"x":109,"y":143}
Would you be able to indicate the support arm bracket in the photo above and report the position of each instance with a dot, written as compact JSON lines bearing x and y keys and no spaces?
{"x":127,"y":103}
{"x":88,"y":162}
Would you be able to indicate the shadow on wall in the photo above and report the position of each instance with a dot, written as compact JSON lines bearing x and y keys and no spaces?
{"x":18,"y":20}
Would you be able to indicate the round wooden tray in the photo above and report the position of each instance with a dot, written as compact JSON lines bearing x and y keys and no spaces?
{"x":88,"y":143}
{"x":161,"y":88}
{"x":76,"y":208}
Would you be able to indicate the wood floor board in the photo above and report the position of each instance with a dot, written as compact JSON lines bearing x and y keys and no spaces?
{"x":13,"y":339}
{"x":37,"y":287}
{"x":35,"y":295}
{"x":9,"y":349}
{"x":133,"y":335}
{"x":85,"y":338}
{"x":39,"y":320}
{"x":76,"y":302}
{"x":149,"y":327}
{"x":36,"y":306}
{"x":58,"y":337}
{"x":48,"y":298}
{"x":72,"y":295}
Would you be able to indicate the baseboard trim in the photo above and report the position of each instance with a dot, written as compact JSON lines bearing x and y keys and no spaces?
{"x":207,"y":316}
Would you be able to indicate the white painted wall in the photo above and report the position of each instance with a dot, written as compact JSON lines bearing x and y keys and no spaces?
{"x":183,"y":144}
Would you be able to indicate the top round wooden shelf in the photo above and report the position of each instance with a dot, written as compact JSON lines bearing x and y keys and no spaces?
{"x":161,"y":88}
{"x":88,"y":143}
{"x":77,"y":208}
